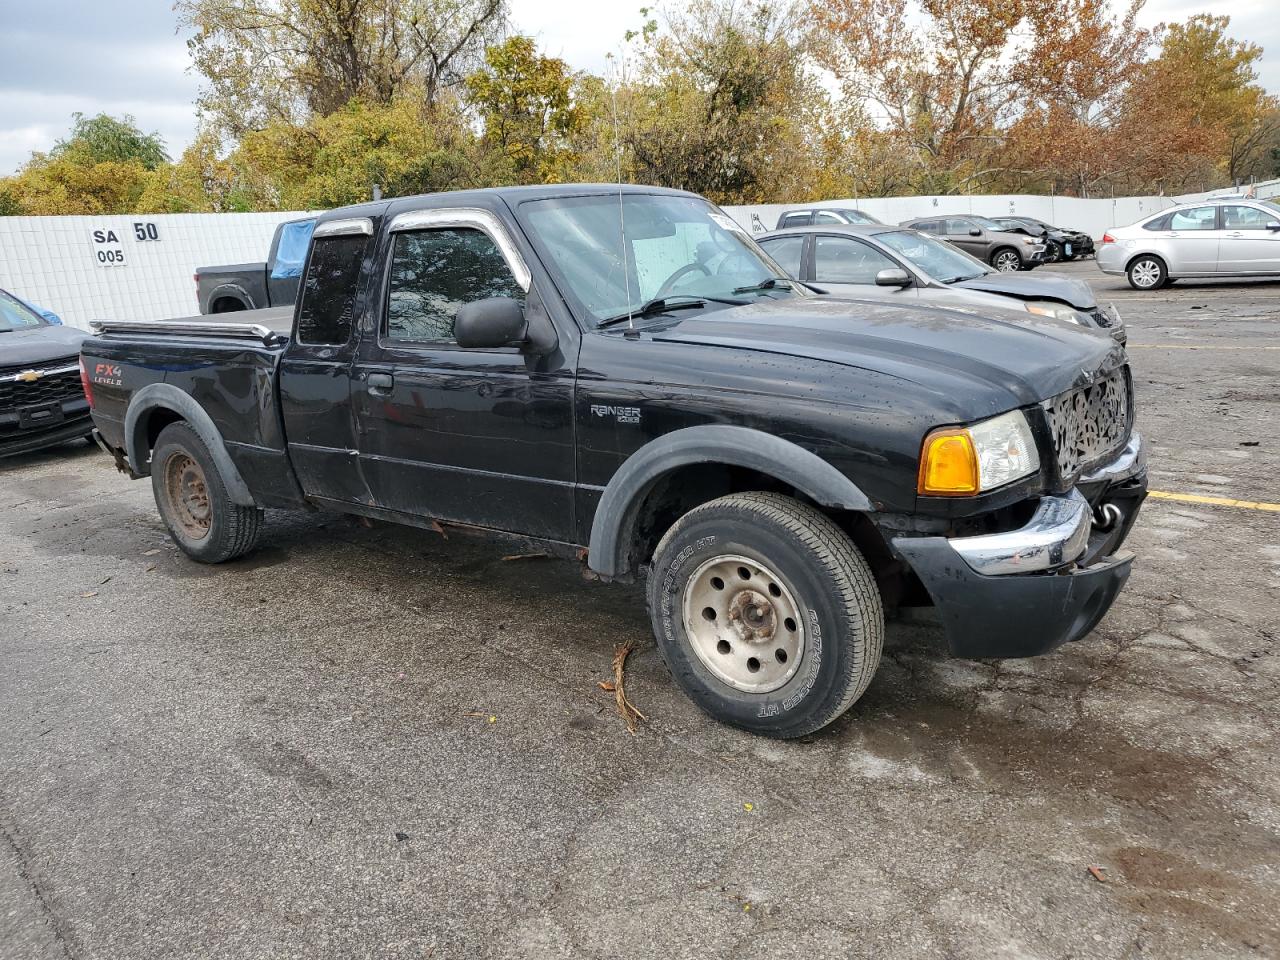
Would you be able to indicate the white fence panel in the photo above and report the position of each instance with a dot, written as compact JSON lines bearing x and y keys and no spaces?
{"x":130,"y":267}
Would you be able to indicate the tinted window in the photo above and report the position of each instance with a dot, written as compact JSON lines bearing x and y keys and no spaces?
{"x":1197,"y":218}
{"x":959,"y":228}
{"x":824,"y":217}
{"x":1245,"y":218}
{"x":795,"y":220}
{"x":930,"y":226}
{"x":329,"y":289}
{"x":786,"y":252}
{"x":434,"y":272}
{"x":841,"y":260}
{"x":291,"y":252}
{"x":1159,"y":223}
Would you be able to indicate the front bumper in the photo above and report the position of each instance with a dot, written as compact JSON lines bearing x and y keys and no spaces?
{"x":1028,"y":591}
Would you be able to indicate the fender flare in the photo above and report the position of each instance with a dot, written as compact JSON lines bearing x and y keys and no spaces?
{"x":614,"y":523}
{"x":165,"y":396}
{"x":234,"y":290}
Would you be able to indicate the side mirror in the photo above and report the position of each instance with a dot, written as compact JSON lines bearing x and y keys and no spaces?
{"x":1273,"y":225}
{"x":975,"y":232}
{"x":893,"y":278}
{"x":495,"y":322}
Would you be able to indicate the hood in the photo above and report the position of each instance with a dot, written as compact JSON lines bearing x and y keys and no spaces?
{"x":1066,"y":290}
{"x":32,"y":345}
{"x":975,"y":362}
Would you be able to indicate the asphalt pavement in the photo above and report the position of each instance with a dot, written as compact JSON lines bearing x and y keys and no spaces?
{"x":387,"y":743}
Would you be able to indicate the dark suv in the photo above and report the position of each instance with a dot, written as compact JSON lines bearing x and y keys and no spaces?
{"x":986,"y":240}
{"x":42,"y":402}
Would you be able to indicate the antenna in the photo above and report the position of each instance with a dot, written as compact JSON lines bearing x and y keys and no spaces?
{"x":622,"y":222}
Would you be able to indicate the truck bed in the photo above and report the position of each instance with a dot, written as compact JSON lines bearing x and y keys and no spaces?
{"x":271,"y":325}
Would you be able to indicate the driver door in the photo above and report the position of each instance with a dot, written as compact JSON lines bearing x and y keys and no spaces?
{"x":476,"y":436}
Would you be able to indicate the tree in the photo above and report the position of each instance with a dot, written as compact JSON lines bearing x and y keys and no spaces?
{"x":107,"y":139}
{"x":718,"y":102}
{"x":289,"y":60}
{"x":529,"y":114}
{"x":936,"y":71}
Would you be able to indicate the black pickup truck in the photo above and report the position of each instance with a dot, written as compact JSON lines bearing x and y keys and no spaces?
{"x":622,"y":369}
{"x":253,"y":286}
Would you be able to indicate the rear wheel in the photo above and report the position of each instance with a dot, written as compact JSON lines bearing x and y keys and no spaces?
{"x":1147,"y":273}
{"x":1006,"y":260}
{"x":193,"y":501}
{"x":766,"y":614}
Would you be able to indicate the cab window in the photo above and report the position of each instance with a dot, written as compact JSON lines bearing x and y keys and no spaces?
{"x":328,"y":295}
{"x":435,"y":272}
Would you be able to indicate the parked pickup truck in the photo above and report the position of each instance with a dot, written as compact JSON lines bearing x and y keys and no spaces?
{"x":622,"y":374}
{"x":253,"y":286}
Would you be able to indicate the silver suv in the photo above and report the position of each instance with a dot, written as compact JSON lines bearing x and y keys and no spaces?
{"x":1224,"y":237}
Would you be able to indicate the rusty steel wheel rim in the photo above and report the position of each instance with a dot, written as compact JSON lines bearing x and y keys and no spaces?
{"x":188,"y":495}
{"x":743,"y":623}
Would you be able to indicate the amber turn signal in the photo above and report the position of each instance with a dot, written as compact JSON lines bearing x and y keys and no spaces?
{"x":948,"y":464}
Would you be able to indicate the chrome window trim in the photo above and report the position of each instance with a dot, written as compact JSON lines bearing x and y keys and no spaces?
{"x":476,"y":219}
{"x":352,"y":227}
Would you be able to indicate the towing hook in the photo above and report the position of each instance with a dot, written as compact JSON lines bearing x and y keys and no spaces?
{"x":1106,"y":516}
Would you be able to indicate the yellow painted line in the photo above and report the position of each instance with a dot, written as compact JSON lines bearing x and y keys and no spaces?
{"x":1215,"y":501}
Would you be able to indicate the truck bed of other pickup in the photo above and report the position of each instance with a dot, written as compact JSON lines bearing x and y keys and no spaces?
{"x":622,"y":369}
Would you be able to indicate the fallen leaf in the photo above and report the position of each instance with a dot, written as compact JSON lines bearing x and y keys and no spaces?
{"x":606,"y":686}
{"x":401,"y":836}
{"x":493,"y":719}
{"x":151,"y":553}
{"x":91,"y":593}
{"x":150,"y":567}
{"x":526,"y":556}
{"x":103,"y":580}
{"x":435,"y":525}
{"x":748,"y":807}
{"x":1097,"y":874}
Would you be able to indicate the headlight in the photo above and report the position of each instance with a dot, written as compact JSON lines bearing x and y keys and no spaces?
{"x":1030,"y":241}
{"x":959,"y":461}
{"x":1059,"y":311}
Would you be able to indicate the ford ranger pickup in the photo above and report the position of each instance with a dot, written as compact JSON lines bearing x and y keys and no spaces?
{"x":623,"y":375}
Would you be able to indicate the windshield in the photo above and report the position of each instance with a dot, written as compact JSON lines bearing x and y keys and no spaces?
{"x":16,"y":315}
{"x":939,"y":260}
{"x":673,"y":247}
{"x":1272,"y":205}
{"x":857,"y":216}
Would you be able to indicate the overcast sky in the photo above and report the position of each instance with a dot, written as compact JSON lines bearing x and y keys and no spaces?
{"x":124,"y":56}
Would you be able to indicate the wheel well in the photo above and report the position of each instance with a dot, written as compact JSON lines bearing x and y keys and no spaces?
{"x":999,"y":250}
{"x":1154,"y":256}
{"x":227,"y":305}
{"x":157,"y":420}
{"x":676,"y":493}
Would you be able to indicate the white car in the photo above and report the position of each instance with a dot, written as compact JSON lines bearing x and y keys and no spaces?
{"x":1223,"y":237}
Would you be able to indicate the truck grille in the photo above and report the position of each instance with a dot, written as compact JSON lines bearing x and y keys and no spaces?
{"x":50,"y":387}
{"x":1090,"y":424}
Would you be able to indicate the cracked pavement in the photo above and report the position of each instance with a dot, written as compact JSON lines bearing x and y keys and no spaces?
{"x":381,"y":743}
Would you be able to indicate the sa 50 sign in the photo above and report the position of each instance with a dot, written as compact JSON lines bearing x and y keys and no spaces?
{"x":108,"y":251}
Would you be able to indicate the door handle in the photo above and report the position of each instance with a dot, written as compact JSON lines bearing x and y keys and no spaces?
{"x":381,"y":382}
{"x":1237,"y":233}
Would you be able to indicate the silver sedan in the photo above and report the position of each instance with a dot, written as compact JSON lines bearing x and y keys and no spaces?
{"x":1229,"y":237}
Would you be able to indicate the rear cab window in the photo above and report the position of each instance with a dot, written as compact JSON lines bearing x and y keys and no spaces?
{"x":326,"y":304}
{"x":786,"y":252}
{"x":291,"y":253}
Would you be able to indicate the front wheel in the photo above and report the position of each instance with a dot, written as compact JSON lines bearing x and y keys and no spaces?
{"x":1147,"y":273}
{"x":766,"y":614}
{"x":193,"y":501}
{"x":1006,"y":260}
{"x":1053,"y":252}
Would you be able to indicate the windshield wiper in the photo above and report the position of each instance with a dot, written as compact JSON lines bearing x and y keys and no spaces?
{"x":771,"y":283}
{"x":679,"y":301}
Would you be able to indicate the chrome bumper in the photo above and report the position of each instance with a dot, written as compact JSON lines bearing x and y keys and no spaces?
{"x":1057,"y":533}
